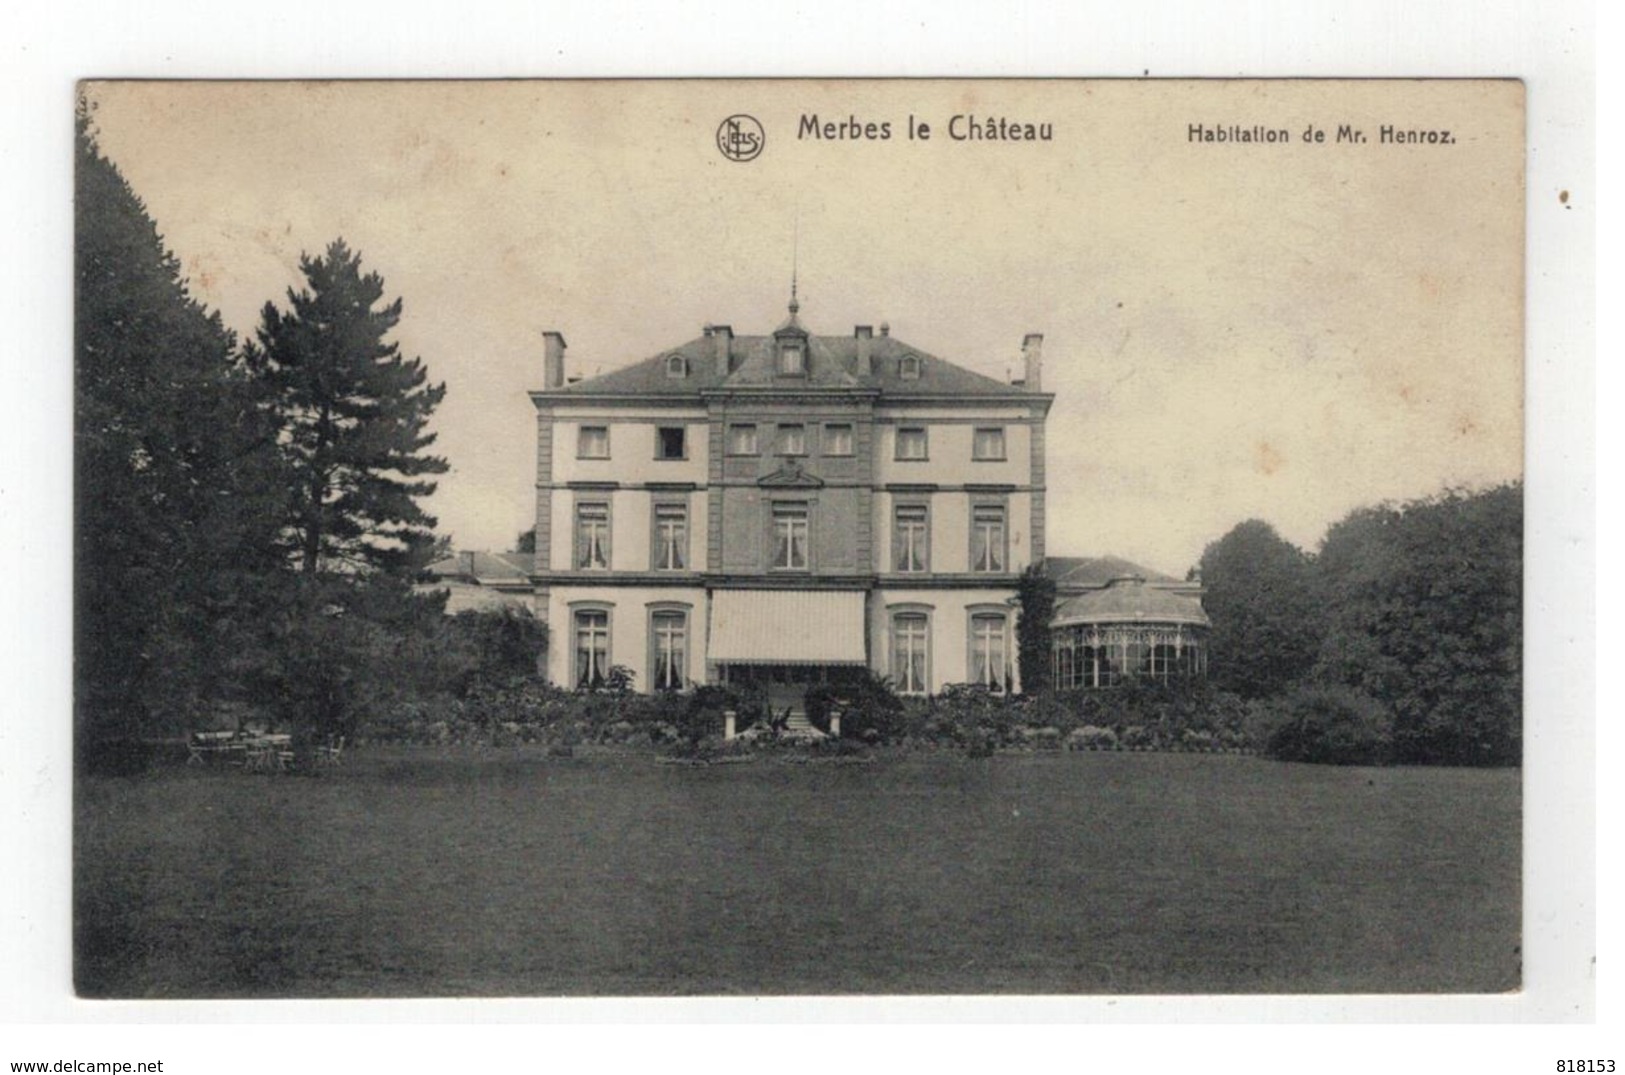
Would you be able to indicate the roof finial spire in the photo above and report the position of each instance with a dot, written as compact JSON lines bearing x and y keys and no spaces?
{"x":795,"y":260}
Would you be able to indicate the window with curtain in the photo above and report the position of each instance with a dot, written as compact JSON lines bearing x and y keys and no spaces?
{"x":669,"y":645}
{"x":790,"y":537}
{"x":987,"y":538}
{"x":910,"y":652}
{"x":592,"y":442}
{"x":911,"y":442}
{"x":671,"y":537}
{"x":988,"y":665}
{"x":592,"y":648}
{"x":909,"y":539}
{"x":793,"y":440}
{"x":742,"y":439}
{"x":988,"y":443}
{"x":592,"y":536}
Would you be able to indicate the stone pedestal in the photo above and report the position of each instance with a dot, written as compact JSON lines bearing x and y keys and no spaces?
{"x":728,"y":724}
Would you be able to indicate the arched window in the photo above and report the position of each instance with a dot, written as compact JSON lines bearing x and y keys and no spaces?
{"x":911,"y":652}
{"x":908,"y":367}
{"x":989,"y":650}
{"x":676,"y":366}
{"x":591,"y":629}
{"x":668,"y":649}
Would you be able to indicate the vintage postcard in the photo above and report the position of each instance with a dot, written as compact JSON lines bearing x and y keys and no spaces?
{"x":846,"y":537}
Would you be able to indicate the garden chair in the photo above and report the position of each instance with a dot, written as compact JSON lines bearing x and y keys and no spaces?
{"x":256,"y":756}
{"x":331,"y":753}
{"x":201,"y":746}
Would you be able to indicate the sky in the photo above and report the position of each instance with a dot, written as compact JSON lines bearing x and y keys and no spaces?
{"x":1283,"y":330}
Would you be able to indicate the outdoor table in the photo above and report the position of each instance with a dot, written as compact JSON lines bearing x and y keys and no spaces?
{"x":268,"y":752}
{"x":201,"y":746}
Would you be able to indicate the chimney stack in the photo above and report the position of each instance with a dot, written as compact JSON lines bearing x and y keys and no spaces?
{"x":865,"y":335}
{"x":553,"y":360}
{"x":1032,"y":361}
{"x":722,"y":338}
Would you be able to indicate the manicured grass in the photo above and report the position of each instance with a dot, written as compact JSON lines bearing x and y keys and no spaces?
{"x":418,"y":872}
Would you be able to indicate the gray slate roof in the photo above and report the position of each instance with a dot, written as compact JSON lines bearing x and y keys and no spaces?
{"x":496,"y":567}
{"x":1092,"y":572}
{"x":832,"y":362}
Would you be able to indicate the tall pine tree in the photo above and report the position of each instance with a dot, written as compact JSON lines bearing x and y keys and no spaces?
{"x":353,"y":414}
{"x":173,"y":464}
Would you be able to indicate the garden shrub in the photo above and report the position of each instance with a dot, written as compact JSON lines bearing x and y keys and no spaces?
{"x":870,"y":709}
{"x":1091,"y":737}
{"x":1332,"y":725}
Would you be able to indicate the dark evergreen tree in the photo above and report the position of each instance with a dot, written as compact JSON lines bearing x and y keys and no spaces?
{"x":1035,"y":594}
{"x":526,"y":541}
{"x":1259,"y":594}
{"x":173,"y":464}
{"x":353,"y":414}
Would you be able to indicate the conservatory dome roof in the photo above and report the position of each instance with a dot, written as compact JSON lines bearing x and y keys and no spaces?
{"x":1128,"y":599}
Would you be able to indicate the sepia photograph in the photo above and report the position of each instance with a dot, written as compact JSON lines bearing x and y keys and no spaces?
{"x":799,"y":537}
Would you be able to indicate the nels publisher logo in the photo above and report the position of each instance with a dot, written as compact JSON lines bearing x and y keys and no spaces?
{"x":741,"y":138}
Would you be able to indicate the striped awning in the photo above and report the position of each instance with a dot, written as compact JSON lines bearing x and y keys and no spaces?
{"x":787,"y":627}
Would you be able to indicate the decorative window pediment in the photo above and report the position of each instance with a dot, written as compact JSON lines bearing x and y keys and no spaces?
{"x":791,"y":476}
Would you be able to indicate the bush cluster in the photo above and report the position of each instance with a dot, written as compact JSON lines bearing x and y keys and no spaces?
{"x":1331,"y":725}
{"x":965,"y":718}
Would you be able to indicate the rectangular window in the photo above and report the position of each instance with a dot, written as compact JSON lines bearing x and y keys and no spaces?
{"x":792,"y":360}
{"x":592,"y":648}
{"x":790,"y":537}
{"x":910,"y":541}
{"x":988,"y":443}
{"x":671,"y":537}
{"x":911,"y":443}
{"x":838,"y":439}
{"x":792,"y":440}
{"x":742,"y":439}
{"x":987,"y":552}
{"x":592,"y":442}
{"x":910,"y":644}
{"x":987,"y":659}
{"x":669,"y":646}
{"x":592,"y":536}
{"x":670,"y":442}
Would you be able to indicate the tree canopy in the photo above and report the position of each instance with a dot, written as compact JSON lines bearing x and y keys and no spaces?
{"x":1424,"y":612}
{"x":173,"y":461}
{"x":1259,"y":595}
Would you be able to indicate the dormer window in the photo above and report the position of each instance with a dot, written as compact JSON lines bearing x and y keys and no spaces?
{"x":676,"y":367}
{"x":908,"y":367}
{"x":793,"y":359}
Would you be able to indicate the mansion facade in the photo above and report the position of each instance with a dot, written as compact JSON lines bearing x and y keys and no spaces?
{"x":787,"y":509}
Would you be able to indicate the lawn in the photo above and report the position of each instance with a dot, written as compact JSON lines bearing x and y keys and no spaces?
{"x":417,"y":872}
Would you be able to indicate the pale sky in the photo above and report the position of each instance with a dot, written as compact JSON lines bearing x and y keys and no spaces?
{"x":1283,"y":331}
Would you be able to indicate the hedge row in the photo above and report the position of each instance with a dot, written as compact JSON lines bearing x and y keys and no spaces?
{"x":1192,"y":718}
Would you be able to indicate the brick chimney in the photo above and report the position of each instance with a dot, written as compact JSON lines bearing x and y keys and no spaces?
{"x":553,"y":360}
{"x":865,"y":335}
{"x":1032,"y":361}
{"x":722,"y":338}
